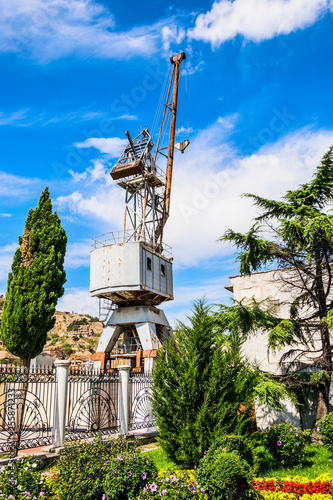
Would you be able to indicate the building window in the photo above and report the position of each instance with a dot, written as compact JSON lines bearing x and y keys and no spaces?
{"x":163,"y":270}
{"x":148,"y":263}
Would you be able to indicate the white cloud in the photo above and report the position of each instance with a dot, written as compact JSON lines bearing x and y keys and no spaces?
{"x":189,"y":68}
{"x":96,"y":172}
{"x":209,"y":179}
{"x":256,"y":20}
{"x":79,"y":301}
{"x":113,"y":146}
{"x":14,"y":186}
{"x":5,"y":215}
{"x":172,"y":34}
{"x":78,"y":254}
{"x":182,"y":130}
{"x":228,"y":122}
{"x":15,"y":118}
{"x":48,"y":29}
{"x":106,"y":206}
{"x":6,"y":259}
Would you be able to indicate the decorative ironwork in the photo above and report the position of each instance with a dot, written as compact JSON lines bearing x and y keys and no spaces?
{"x":142,"y":415}
{"x":36,"y":430}
{"x":93,"y":403}
{"x":141,"y":394}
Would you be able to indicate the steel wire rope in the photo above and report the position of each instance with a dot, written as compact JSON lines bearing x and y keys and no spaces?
{"x":160,"y":104}
{"x":188,"y":125}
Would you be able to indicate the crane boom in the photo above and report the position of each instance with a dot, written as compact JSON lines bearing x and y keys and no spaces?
{"x":175,"y":61}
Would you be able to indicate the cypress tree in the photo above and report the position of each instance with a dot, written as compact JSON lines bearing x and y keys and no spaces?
{"x":35,"y":282}
{"x":34,"y":285}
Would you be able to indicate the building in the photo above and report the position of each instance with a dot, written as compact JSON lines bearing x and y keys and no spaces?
{"x":271,"y":286}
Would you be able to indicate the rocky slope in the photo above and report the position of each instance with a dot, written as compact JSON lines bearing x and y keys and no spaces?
{"x":73,"y":334}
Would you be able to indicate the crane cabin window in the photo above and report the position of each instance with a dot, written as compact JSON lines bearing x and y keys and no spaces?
{"x":163,"y":270}
{"x":148,"y":264}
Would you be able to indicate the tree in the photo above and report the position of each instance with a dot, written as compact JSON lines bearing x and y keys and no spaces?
{"x":202,"y":387}
{"x":34,"y":285}
{"x":299,"y":242}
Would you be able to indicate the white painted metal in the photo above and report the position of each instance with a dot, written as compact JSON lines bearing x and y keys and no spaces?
{"x":108,"y":338}
{"x":124,"y":396}
{"x":128,"y":268}
{"x":62,"y":366}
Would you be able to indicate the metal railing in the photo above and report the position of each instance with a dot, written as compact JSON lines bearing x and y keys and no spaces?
{"x":127,"y":236}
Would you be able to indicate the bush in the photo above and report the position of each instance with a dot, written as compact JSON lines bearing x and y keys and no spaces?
{"x":23,"y":476}
{"x":126,"y":475}
{"x":222,"y":472}
{"x":239,"y":444}
{"x":74,"y":325}
{"x":93,"y":319}
{"x":325,"y":429}
{"x":82,"y":467}
{"x":286,"y":443}
{"x":180,"y":484}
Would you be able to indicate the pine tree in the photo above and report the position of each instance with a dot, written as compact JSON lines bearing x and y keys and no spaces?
{"x":34,"y":285}
{"x":301,"y":243}
{"x":200,"y":384}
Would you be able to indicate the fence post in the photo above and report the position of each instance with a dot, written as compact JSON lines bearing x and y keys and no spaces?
{"x":60,"y":404}
{"x":124,"y":373}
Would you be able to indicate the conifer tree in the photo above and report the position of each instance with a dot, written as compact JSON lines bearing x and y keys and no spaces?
{"x":200,"y":384}
{"x":34,"y":285}
{"x":35,"y":282}
{"x":301,"y":243}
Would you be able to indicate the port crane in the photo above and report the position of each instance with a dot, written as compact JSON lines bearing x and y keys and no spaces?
{"x":131,"y":269}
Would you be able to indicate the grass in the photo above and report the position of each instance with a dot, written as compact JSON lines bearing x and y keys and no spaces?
{"x":160,"y":459}
{"x":316,"y":462}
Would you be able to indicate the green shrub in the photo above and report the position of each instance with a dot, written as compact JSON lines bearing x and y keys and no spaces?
{"x":126,"y":475}
{"x":93,"y":319}
{"x":325,"y":429}
{"x":222,"y":472}
{"x":180,"y":484}
{"x":74,"y":325}
{"x":82,"y":468}
{"x":75,"y":338}
{"x":239,"y":444}
{"x":286,"y":443}
{"x":21,"y":476}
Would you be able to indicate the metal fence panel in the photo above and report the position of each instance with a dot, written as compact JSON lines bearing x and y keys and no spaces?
{"x":141,"y":415}
{"x":38,"y":410}
{"x":92,"y":403}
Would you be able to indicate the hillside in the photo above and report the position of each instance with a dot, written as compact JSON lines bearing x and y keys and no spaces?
{"x":73,"y":334}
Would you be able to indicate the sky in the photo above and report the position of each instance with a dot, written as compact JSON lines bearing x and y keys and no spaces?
{"x":255,"y":99}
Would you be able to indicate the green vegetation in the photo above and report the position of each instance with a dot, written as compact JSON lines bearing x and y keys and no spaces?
{"x":200,"y":383}
{"x":300,"y":242}
{"x":35,"y":282}
{"x":74,"y":325}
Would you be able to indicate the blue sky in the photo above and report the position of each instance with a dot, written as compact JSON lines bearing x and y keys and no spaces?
{"x":76,"y":74}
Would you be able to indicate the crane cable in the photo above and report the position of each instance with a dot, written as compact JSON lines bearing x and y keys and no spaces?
{"x":188,"y":125}
{"x":160,"y":105}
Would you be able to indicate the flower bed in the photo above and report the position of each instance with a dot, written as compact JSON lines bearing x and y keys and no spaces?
{"x":289,"y":488}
